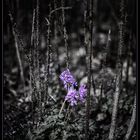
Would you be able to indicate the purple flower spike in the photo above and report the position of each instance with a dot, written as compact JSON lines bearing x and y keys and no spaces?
{"x":82,"y":93}
{"x":67,"y":78}
{"x":72,"y":97}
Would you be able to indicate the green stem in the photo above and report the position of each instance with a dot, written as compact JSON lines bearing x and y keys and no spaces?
{"x":62,"y":107}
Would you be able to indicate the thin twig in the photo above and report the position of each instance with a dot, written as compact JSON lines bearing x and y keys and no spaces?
{"x":38,"y":60}
{"x":17,"y":50}
{"x":118,"y":84}
{"x":62,"y":107}
{"x":31,"y":65}
{"x":47,"y":67}
{"x":60,"y":8}
{"x":89,"y":68}
{"x":132,"y":122}
{"x":119,"y":76}
{"x":65,"y":33}
{"x":115,"y":107}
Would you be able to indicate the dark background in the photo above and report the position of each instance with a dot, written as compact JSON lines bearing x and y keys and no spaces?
{"x":107,"y":17}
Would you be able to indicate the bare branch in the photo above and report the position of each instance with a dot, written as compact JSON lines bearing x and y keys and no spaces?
{"x":60,"y":8}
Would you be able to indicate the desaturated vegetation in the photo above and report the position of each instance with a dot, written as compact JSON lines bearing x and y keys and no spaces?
{"x":69,"y":70}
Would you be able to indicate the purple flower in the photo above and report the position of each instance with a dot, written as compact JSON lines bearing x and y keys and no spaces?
{"x":72,"y":97}
{"x":67,"y":78}
{"x":82,"y":93}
